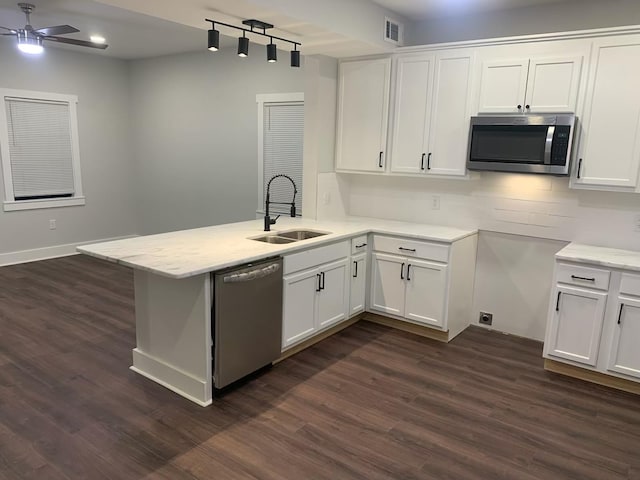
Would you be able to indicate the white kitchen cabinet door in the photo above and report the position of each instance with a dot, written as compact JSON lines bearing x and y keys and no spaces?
{"x":426,"y":292}
{"x":609,"y":153}
{"x":576,"y":324}
{"x":358,"y":288}
{"x":450,"y":114}
{"x":414,"y":80}
{"x":388,"y":283}
{"x":363,"y":103}
{"x":299,"y":310}
{"x":553,"y":84}
{"x":503,"y":85}
{"x":624,"y":356}
{"x":333,"y":297}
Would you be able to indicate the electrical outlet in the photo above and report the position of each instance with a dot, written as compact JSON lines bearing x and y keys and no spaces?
{"x":52,"y":224}
{"x":485,"y":318}
{"x":326,"y":198}
{"x":435,"y":202}
{"x":636,"y":223}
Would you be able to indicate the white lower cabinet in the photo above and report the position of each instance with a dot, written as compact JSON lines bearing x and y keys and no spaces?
{"x":314,"y":299}
{"x":410,"y":288}
{"x":624,"y":356}
{"x":358,"y":288}
{"x":585,"y":329}
{"x":576,"y":324}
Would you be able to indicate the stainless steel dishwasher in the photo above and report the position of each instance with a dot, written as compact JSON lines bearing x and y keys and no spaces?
{"x":247,"y":319}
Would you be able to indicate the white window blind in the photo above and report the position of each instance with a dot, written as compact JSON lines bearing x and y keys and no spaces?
{"x":283,"y":144}
{"x":40,"y":148}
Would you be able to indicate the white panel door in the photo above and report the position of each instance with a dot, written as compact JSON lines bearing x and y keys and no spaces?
{"x":333,"y":298}
{"x":610,"y":144}
{"x":388,"y":283}
{"x":450,"y":113}
{"x":503,"y":85}
{"x":426,"y":292}
{"x":414,"y":82}
{"x":576,"y":324}
{"x":624,"y":356}
{"x":363,"y":103}
{"x":299,"y":309}
{"x":357,"y":291}
{"x":553,"y":84}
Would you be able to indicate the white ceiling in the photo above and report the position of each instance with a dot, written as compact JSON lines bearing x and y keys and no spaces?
{"x":424,"y":9}
{"x":129,"y":34}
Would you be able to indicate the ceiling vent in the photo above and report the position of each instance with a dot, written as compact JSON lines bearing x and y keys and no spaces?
{"x":393,"y":31}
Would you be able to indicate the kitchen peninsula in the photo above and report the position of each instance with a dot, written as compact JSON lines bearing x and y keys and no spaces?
{"x":427,"y":273}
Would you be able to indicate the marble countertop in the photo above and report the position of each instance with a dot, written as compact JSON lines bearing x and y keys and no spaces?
{"x":187,"y":253}
{"x":604,"y":256}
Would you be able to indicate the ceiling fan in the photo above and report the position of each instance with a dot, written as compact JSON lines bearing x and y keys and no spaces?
{"x":30,"y":39}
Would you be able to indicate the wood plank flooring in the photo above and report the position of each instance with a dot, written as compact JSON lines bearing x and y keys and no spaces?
{"x":368,"y":403}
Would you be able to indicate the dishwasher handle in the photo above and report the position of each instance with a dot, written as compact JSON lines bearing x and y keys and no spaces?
{"x":251,"y":274}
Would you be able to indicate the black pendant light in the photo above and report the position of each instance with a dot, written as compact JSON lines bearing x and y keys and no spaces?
{"x":295,"y":57}
{"x":214,"y":40}
{"x":243,"y":46}
{"x":272,"y":52}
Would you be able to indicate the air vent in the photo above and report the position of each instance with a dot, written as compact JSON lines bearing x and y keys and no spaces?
{"x":393,"y":31}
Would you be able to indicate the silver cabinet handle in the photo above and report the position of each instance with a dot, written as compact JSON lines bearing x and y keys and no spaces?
{"x":252,"y":274}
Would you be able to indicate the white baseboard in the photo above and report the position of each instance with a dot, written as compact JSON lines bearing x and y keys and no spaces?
{"x":172,"y":378}
{"x":46,"y":253}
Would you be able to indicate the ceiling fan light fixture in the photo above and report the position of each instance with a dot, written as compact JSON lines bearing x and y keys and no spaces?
{"x":98,"y":39}
{"x":29,"y":43}
{"x":214,"y":40}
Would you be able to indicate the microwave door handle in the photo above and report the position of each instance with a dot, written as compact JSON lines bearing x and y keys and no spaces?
{"x":548,"y":144}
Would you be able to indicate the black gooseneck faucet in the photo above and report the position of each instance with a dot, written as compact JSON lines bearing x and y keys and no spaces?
{"x":268,"y":221}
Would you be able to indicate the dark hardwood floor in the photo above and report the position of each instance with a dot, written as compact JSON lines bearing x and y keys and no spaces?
{"x":367,"y":403}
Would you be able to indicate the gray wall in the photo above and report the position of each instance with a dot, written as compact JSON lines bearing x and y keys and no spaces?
{"x":546,"y":18}
{"x":102,"y":87}
{"x":195,"y":145}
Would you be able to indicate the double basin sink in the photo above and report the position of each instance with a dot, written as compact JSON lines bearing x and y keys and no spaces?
{"x":289,"y":236}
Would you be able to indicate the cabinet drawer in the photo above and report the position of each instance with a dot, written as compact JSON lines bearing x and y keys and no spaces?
{"x":583,"y":276}
{"x":630,"y":284}
{"x":411,"y":248}
{"x":359,"y":244}
{"x":315,"y":256}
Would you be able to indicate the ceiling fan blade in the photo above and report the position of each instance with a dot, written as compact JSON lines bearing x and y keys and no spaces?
{"x":73,"y":41}
{"x":13,"y":32}
{"x":57,"y":30}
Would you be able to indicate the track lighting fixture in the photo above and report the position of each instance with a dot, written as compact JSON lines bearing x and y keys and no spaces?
{"x":214,"y":40}
{"x":243,"y":46}
{"x":243,"y":42}
{"x":272,"y":52}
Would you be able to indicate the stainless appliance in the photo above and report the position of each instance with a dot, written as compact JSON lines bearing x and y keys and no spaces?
{"x":247,"y":319}
{"x":522,"y":143}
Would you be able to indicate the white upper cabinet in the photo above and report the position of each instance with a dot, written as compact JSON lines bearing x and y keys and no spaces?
{"x":363,"y":104}
{"x":530,"y":85}
{"x":414,"y":83}
{"x":432,"y":110}
{"x":503,"y":85}
{"x":609,"y":150}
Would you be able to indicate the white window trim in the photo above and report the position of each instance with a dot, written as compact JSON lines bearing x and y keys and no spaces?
{"x":10,"y":203}
{"x":263,"y":99}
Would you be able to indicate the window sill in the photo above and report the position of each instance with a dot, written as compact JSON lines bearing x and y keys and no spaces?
{"x":12,"y":206}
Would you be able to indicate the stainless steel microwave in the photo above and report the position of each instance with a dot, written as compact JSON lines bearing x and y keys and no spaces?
{"x":523,"y":143}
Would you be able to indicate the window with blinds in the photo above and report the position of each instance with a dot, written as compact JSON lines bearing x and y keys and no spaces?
{"x":283,"y":144}
{"x":39,"y":150}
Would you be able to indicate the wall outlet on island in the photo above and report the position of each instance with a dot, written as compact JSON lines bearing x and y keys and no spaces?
{"x":435,"y":202}
{"x":326,"y":198}
{"x":636,"y":223}
{"x":52,"y":224}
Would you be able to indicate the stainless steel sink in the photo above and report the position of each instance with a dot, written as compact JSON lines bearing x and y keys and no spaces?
{"x":297,"y":235}
{"x":273,"y":239}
